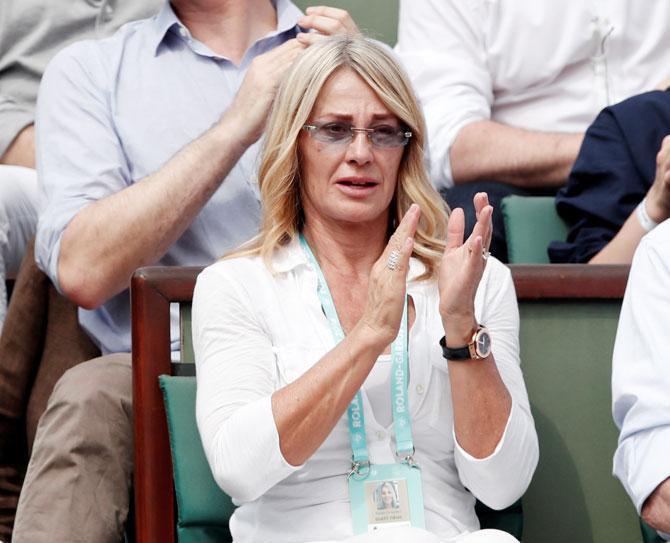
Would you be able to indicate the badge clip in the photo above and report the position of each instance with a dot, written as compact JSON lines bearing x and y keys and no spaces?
{"x":360,"y":469}
{"x":408,"y":459}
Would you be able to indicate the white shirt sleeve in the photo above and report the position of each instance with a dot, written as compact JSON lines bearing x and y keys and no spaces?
{"x":641,"y":371}
{"x":501,"y":478}
{"x":236,"y":376}
{"x":441,"y":44}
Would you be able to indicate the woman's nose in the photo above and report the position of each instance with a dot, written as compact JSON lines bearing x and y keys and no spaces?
{"x":359,"y":149}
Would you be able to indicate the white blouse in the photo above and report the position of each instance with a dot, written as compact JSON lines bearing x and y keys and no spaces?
{"x":255,"y":332}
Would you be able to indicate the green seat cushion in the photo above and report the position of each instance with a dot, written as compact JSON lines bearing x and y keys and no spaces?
{"x":202,"y":507}
{"x":531,"y":223}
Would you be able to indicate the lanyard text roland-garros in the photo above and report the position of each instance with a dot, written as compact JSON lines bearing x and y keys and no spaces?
{"x":362,"y":469}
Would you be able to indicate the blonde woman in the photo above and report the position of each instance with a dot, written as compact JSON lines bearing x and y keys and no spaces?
{"x":359,"y":337}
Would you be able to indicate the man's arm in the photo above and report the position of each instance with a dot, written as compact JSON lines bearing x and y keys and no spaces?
{"x":111,"y":237}
{"x":21,"y":152}
{"x":520,"y":157}
{"x":442,"y":44}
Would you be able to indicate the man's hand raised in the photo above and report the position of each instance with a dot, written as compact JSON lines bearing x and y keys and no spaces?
{"x":325,"y":21}
{"x":249,"y":111}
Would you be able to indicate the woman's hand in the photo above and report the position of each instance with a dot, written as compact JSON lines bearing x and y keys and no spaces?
{"x":387,"y":286}
{"x":461,"y":270}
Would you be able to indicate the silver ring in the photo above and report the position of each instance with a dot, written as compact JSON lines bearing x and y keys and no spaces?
{"x":486,"y":254}
{"x":392,"y":263}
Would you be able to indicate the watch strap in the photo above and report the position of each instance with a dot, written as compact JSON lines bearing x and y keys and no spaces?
{"x":458,"y":353}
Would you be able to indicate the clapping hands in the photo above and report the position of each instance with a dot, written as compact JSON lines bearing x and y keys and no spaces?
{"x":461,"y":270}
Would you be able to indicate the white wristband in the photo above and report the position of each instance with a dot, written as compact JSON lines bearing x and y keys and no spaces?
{"x":643,"y":217}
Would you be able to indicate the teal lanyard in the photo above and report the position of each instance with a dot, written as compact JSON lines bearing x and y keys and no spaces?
{"x":399,"y":378}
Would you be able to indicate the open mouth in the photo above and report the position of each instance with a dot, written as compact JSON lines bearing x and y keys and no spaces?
{"x":356,"y":183}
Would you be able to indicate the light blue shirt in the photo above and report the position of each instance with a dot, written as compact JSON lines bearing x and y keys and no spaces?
{"x":113,"y":111}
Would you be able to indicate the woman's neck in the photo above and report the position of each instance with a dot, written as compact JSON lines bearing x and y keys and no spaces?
{"x":348,"y":249}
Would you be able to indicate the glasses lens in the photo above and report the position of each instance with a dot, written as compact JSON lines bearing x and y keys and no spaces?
{"x":333,"y":133}
{"x":388,"y":136}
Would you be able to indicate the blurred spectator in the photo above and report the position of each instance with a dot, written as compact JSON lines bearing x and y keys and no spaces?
{"x":31,"y":32}
{"x":641,"y":381}
{"x":619,"y":188}
{"x":147,"y":143}
{"x":509,"y":86}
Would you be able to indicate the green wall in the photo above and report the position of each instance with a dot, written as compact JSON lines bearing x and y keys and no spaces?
{"x":377,"y":18}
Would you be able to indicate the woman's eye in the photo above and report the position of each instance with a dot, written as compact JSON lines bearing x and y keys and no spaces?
{"x":386,"y":130}
{"x":335,"y":129}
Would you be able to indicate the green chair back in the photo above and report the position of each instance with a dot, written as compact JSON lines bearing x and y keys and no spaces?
{"x":531,"y":223}
{"x":566,"y":349}
{"x":203,"y":509}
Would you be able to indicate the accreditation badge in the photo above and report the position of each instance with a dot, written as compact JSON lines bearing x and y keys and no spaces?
{"x":386,"y":496}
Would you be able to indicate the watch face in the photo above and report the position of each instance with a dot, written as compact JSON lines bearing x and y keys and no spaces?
{"x":483,"y":343}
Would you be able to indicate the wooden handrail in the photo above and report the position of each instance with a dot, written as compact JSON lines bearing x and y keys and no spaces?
{"x":581,"y":281}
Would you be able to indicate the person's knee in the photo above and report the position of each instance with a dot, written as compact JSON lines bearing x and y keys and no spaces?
{"x":96,"y":388}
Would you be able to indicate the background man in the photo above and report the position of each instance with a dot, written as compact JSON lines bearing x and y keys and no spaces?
{"x":31,"y":32}
{"x":147,"y":144}
{"x":509,"y":86}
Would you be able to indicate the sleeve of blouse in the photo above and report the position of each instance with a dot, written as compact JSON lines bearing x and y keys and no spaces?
{"x":236,"y":376}
{"x":442,"y":46}
{"x":501,"y":478}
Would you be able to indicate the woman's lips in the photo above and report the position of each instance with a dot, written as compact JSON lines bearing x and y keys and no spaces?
{"x":357,"y":186}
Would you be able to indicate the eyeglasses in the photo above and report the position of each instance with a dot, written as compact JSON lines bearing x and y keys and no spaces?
{"x":338,"y":133}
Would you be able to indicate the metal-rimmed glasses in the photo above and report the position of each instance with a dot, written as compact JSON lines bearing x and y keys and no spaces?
{"x":339,"y":133}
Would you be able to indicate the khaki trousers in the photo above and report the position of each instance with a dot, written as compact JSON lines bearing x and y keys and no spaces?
{"x":40,"y":341}
{"x":77,"y":486}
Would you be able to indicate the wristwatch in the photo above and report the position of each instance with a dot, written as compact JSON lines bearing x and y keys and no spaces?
{"x":478,"y":348}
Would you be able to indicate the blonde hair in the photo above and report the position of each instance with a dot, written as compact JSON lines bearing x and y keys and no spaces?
{"x":279,"y":171}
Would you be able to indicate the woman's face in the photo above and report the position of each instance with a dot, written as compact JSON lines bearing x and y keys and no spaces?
{"x":351,"y":182}
{"x":387,"y":496}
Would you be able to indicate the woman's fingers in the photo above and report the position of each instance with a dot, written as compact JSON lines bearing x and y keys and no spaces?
{"x":480,"y":200}
{"x":483,"y":226}
{"x":406,"y":229}
{"x":455,"y":229}
{"x":476,"y":253}
{"x":386,"y":288}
